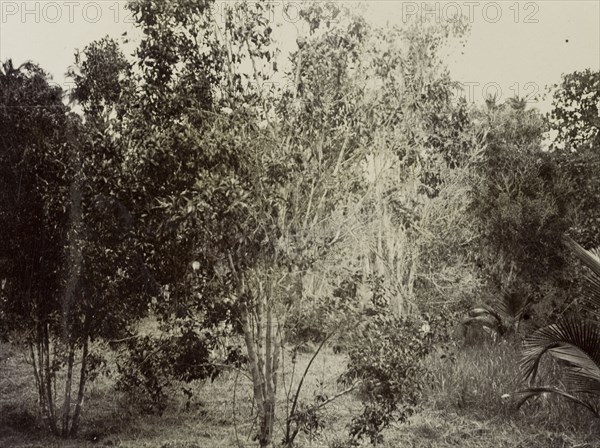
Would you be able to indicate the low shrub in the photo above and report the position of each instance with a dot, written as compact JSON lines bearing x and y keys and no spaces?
{"x":386,"y":355}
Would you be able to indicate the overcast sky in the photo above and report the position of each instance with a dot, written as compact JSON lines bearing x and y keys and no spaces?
{"x":513,"y":47}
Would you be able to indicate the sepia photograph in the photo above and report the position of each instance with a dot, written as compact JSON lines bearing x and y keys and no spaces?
{"x":299,"y":224}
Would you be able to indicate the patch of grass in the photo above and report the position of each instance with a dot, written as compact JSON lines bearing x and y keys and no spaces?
{"x":463,"y":408}
{"x":474,"y":378}
{"x":481,"y":382}
{"x":18,"y":413}
{"x":443,"y":429}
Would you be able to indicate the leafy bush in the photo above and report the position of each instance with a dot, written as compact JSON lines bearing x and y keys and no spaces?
{"x":520,"y":203}
{"x":150,"y":365}
{"x":386,"y":356}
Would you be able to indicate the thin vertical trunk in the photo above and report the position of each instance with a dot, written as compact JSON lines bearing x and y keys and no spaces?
{"x":48,"y":380}
{"x":253,"y":362}
{"x":269,"y":418}
{"x":276,"y":352}
{"x":263,"y":359}
{"x":398,"y":279}
{"x":42,"y":377}
{"x":259,"y":339}
{"x":68,"y":383}
{"x":81,"y":389}
{"x":379,"y":255}
{"x":36,"y":375}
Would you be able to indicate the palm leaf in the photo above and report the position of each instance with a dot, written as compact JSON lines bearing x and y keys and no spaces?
{"x":591,"y":258}
{"x":484,"y":316}
{"x":479,"y":311}
{"x":591,"y":292}
{"x":485,"y":310}
{"x":575,"y":342}
{"x":513,"y":304}
{"x":579,"y":381}
{"x":535,"y":391}
{"x":485,"y":320}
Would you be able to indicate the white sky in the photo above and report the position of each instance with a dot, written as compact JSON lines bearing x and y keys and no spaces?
{"x":518,"y":47}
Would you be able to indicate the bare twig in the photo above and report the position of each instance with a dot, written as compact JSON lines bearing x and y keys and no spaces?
{"x":299,"y":388}
{"x":339,"y":394}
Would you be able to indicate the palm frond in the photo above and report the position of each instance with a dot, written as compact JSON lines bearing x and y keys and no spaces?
{"x":531,"y":392}
{"x":479,"y":311}
{"x":513,"y":304}
{"x":484,"y":320}
{"x":485,"y":310}
{"x":590,"y":258}
{"x":579,"y":381}
{"x":576,"y":342}
{"x":591,"y":293}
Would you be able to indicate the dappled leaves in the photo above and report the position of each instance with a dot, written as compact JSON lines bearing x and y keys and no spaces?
{"x":386,"y":355}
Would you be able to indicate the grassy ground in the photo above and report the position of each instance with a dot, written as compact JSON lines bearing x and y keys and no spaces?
{"x":463,"y":407}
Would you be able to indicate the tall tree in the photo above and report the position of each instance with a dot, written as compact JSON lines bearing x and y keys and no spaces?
{"x":70,"y":246}
{"x":520,"y":207}
{"x":575,"y":118}
{"x":575,"y":111}
{"x":39,"y":139}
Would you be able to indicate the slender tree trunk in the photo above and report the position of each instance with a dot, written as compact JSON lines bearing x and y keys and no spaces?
{"x":257,"y":377}
{"x":271,"y":365}
{"x":38,"y":381}
{"x":74,"y":260}
{"x":48,"y":378}
{"x":42,"y":377}
{"x":67,"y":423}
{"x":81,"y":389}
{"x":263,"y":358}
{"x":68,"y":383}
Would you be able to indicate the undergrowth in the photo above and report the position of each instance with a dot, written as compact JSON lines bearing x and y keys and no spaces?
{"x":469,"y":401}
{"x":483,"y":382}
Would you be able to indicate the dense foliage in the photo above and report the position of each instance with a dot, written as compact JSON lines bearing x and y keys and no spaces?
{"x":576,"y":121}
{"x":356,"y":204}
